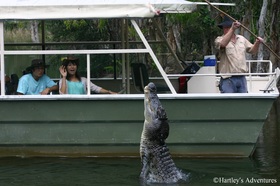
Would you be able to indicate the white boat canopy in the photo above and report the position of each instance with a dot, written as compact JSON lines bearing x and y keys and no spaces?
{"x":75,"y":9}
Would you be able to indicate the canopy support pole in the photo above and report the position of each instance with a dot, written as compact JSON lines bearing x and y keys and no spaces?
{"x":127,"y":63}
{"x":153,"y":56}
{"x":88,"y":75}
{"x":123,"y":56}
{"x":2,"y":58}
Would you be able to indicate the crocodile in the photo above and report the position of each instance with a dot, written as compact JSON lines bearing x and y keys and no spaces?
{"x":157,"y":163}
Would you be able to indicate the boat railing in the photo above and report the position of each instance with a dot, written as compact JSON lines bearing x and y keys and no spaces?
{"x":251,"y":76}
{"x":269,"y":77}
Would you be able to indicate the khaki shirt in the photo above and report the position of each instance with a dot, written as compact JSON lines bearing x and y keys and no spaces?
{"x":232,"y":57}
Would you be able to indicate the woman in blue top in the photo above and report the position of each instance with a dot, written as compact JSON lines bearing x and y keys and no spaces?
{"x":72,"y":83}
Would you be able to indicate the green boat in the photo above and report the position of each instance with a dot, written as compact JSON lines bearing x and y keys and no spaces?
{"x":203,"y":122}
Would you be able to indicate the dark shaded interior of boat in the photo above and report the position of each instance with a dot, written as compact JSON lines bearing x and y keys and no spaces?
{"x":140,"y":78}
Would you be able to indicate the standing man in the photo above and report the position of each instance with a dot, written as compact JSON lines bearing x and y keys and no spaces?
{"x":36,"y":82}
{"x":232,"y":49}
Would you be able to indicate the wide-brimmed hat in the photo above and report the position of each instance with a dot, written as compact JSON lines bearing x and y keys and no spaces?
{"x":37,"y":63}
{"x":226,"y":23}
{"x":70,"y":59}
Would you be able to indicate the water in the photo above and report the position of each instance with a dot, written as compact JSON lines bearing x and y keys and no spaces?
{"x":264,"y":167}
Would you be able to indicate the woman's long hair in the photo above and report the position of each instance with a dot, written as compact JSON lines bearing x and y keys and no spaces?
{"x":72,"y":60}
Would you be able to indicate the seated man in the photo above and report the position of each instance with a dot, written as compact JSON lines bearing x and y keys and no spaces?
{"x":36,"y":82}
{"x":7,"y":81}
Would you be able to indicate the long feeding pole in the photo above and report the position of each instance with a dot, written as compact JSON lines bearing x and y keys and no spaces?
{"x":243,"y":27}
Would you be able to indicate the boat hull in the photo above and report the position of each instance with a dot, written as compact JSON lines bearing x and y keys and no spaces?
{"x":112,"y":126}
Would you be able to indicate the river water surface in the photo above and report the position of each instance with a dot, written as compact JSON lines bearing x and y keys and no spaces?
{"x":262,"y":169}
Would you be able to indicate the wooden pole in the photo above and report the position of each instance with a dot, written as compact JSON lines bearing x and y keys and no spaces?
{"x":243,"y":27}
